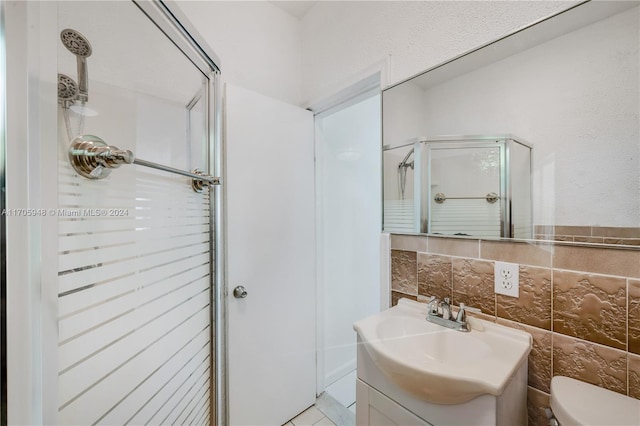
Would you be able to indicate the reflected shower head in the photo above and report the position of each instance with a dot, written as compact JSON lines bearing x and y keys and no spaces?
{"x":404,"y":163}
{"x":78,"y":44}
{"x":67,"y":91}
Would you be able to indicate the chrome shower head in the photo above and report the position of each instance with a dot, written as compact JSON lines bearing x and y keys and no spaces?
{"x":78,"y":44}
{"x":404,"y":162}
{"x":67,"y":91}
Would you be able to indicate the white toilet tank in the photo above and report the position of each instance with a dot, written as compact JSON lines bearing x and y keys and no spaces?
{"x":576,"y":403}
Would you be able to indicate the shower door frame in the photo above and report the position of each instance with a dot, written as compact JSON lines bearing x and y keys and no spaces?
{"x":31,"y":382}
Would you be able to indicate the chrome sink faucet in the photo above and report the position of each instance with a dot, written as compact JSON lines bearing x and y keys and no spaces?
{"x":439,"y":312}
{"x":445,"y":307}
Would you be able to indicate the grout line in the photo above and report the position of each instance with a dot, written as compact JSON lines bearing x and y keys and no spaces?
{"x":552,"y":326}
{"x":452,"y":279}
{"x":577,"y":271}
{"x":417,"y":283}
{"x":589,"y":342}
{"x":627,"y":334}
{"x":323,"y":418}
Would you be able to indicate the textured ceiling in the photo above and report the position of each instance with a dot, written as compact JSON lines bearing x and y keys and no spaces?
{"x":295,"y":8}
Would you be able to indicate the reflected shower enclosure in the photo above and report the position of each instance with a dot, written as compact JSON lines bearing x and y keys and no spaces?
{"x":459,"y":185}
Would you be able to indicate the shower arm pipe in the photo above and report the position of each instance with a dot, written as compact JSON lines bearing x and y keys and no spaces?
{"x":92,"y":158}
{"x":83,"y":79}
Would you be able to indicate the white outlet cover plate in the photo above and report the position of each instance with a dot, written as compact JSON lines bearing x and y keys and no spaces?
{"x":507,"y":279}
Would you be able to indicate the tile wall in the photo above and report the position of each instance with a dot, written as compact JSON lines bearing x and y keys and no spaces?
{"x":581,"y":304}
{"x":589,"y":234}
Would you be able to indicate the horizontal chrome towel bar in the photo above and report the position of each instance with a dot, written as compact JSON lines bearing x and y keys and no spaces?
{"x":92,"y":158}
{"x":491,"y":197}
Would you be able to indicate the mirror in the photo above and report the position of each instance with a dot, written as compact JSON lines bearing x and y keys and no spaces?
{"x":568,"y":87}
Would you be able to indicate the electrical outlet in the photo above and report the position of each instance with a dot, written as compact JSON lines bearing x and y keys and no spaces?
{"x":507,"y":280}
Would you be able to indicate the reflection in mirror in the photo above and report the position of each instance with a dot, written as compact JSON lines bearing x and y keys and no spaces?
{"x":197,"y":132}
{"x":401,"y":214}
{"x":476,"y":186}
{"x":569,"y":86}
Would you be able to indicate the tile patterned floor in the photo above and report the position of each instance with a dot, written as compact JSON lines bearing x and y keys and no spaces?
{"x":335,"y":407}
{"x":311,"y":417}
{"x":335,"y":411}
{"x":352,"y":408}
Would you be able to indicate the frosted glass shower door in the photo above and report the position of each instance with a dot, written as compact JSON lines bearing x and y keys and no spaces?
{"x":134,"y":259}
{"x":459,"y":181}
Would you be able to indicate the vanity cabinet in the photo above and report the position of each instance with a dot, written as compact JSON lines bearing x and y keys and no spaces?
{"x":374,"y":408}
{"x":381,"y":402}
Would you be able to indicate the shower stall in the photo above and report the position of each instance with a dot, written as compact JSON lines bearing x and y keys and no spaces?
{"x":135,"y":216}
{"x":459,"y":185}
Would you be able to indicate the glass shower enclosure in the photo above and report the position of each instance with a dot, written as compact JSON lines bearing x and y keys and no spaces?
{"x":137,"y":301}
{"x":476,"y":186}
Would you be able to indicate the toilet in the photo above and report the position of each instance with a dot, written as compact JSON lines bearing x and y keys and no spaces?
{"x":576,"y":403}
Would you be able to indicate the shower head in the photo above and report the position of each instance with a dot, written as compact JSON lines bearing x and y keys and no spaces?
{"x":75,"y":42}
{"x":78,"y":44}
{"x":67,"y":91}
{"x":404,"y":163}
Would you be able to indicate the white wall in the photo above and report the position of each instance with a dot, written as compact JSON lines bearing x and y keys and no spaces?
{"x":258,"y":44}
{"x":341,"y":39}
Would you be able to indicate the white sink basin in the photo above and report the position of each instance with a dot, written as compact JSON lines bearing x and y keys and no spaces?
{"x":441,"y":365}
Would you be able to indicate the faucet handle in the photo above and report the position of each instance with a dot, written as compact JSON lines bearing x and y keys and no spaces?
{"x":432,"y":305}
{"x":462,"y":315}
{"x":446,"y":308}
{"x":462,"y":312}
